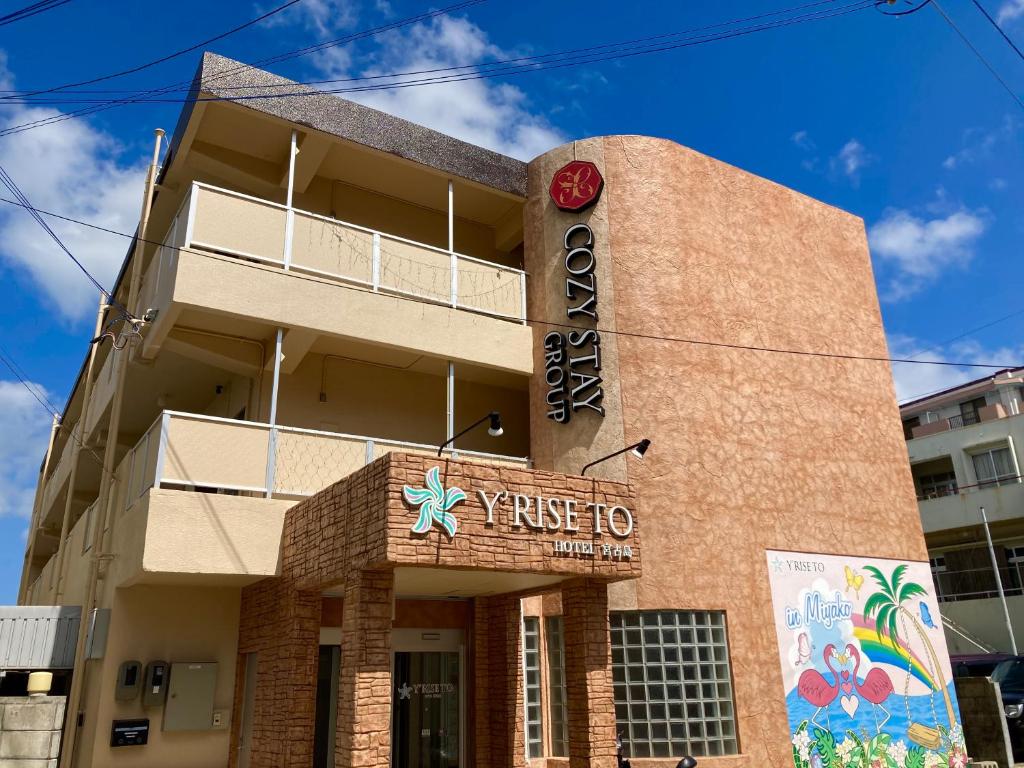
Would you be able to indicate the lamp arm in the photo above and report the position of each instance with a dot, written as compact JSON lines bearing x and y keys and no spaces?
{"x":605,"y":458}
{"x":453,"y":438}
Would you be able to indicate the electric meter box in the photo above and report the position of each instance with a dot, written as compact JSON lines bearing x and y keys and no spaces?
{"x":129,"y":681}
{"x":190,"y":692}
{"x":154,"y":686}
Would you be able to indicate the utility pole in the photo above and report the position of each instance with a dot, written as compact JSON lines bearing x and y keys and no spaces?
{"x":999,"y":581}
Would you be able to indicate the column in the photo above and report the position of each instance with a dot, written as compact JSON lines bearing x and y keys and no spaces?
{"x":363,"y":737}
{"x":588,"y":675}
{"x":499,"y":738}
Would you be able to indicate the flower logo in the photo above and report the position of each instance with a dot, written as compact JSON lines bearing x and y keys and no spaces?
{"x":576,"y":185}
{"x":434,"y":503}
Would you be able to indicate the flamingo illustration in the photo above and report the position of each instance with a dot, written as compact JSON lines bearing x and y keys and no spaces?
{"x":876,"y":688}
{"x":813,"y":686}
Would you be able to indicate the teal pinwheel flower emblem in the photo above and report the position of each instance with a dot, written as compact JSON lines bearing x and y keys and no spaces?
{"x":435,"y":503}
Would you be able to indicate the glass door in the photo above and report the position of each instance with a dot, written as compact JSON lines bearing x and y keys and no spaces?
{"x":426,"y":710}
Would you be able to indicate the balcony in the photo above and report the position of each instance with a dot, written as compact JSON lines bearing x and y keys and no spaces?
{"x":961,"y":420}
{"x":236,"y":255}
{"x":194,"y":452}
{"x":960,"y":510}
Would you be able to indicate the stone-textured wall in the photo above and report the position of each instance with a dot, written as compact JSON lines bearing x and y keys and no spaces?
{"x":981,"y":712}
{"x":349,"y":538}
{"x":30,"y":731}
{"x":752,"y":450}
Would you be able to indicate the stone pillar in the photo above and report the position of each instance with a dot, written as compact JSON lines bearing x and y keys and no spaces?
{"x":281,"y":625}
{"x":363,"y":738}
{"x":588,"y":675}
{"x":499,"y":738}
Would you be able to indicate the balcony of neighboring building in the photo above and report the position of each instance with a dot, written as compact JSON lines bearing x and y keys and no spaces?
{"x":204,"y":477}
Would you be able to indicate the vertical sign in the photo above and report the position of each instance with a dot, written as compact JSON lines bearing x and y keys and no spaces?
{"x":572,"y":361}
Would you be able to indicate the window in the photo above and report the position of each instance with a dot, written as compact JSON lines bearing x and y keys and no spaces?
{"x":673,"y":687}
{"x":994,"y":467}
{"x":559,"y":715}
{"x":937,"y":485}
{"x":531,"y":673}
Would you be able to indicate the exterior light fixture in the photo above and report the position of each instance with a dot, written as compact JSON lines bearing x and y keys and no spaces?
{"x":637,"y":449}
{"x":494,"y":429}
{"x":687,"y":762}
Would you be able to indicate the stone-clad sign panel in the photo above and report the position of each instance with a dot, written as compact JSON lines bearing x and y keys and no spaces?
{"x":510,"y":519}
{"x":410,"y":510}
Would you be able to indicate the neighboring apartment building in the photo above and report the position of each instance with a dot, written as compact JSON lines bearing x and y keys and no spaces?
{"x":964,"y":445}
{"x":333,"y":292}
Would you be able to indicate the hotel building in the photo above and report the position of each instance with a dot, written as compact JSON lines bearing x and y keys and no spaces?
{"x":248,"y":502}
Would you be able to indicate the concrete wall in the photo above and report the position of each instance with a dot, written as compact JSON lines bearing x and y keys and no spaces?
{"x":751,"y":450}
{"x":981,"y":712}
{"x":30,"y":731}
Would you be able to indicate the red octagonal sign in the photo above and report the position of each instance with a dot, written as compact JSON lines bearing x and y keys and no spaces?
{"x":576,"y":185}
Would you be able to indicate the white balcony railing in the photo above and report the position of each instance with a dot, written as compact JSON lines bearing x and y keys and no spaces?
{"x":238,"y":225}
{"x":187,"y":449}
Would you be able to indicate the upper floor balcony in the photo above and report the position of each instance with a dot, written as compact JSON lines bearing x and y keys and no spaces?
{"x":230,"y":254}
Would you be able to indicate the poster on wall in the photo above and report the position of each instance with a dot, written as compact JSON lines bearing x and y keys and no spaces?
{"x":864,"y":663}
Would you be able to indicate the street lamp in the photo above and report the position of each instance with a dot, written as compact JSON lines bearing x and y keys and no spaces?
{"x":637,"y":449}
{"x":494,"y":430}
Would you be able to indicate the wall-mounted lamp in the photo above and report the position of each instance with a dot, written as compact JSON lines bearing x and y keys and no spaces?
{"x":494,"y":429}
{"x":637,"y":449}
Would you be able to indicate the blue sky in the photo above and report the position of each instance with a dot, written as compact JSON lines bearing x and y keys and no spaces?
{"x":892,"y":119}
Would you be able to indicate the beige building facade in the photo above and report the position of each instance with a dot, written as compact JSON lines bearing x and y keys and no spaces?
{"x":250,"y":492}
{"x":964,"y":448}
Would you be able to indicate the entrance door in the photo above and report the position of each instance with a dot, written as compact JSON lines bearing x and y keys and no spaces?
{"x":426,"y":709}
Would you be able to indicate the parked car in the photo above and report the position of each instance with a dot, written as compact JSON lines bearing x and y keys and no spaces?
{"x":1009,"y":673}
{"x":977,"y":665}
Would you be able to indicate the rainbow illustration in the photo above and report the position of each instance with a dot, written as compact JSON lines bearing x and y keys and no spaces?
{"x":884,"y":651}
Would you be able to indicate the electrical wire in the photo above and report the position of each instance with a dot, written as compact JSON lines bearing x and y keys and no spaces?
{"x":570,"y":326}
{"x":31,"y":10}
{"x":998,"y":28}
{"x":879,"y":6}
{"x":978,"y":53}
{"x":13,"y":188}
{"x":520,"y":65}
{"x":51,"y":119}
{"x":481,"y":65}
{"x":13,"y":367}
{"x":576,"y":59}
{"x":168,"y":57}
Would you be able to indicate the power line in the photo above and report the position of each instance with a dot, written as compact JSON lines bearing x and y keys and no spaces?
{"x":614,"y":332}
{"x":187,"y":83}
{"x":998,"y":28}
{"x":482,"y":65}
{"x":31,"y":10}
{"x":168,"y":57}
{"x":574,"y":60}
{"x":978,"y":53}
{"x":12,"y":186}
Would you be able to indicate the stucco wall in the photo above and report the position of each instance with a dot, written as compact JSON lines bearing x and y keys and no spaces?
{"x":751,"y":450}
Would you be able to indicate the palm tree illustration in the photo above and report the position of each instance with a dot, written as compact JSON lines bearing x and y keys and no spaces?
{"x":887,"y":605}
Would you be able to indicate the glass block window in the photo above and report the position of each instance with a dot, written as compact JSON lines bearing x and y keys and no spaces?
{"x":558,"y":716}
{"x":673,"y":687}
{"x":531,"y":674}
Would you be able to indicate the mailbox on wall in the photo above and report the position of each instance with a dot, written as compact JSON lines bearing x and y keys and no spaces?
{"x":190,"y":692}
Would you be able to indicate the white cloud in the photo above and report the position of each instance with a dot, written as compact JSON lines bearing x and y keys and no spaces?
{"x":484,"y":112}
{"x":920,"y":250}
{"x":846,"y":163}
{"x":72,"y":169}
{"x":914,"y":381}
{"x":1010,"y":10}
{"x":23,"y":440}
{"x":979,"y":144}
{"x":321,"y":17}
{"x":803,"y":140}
